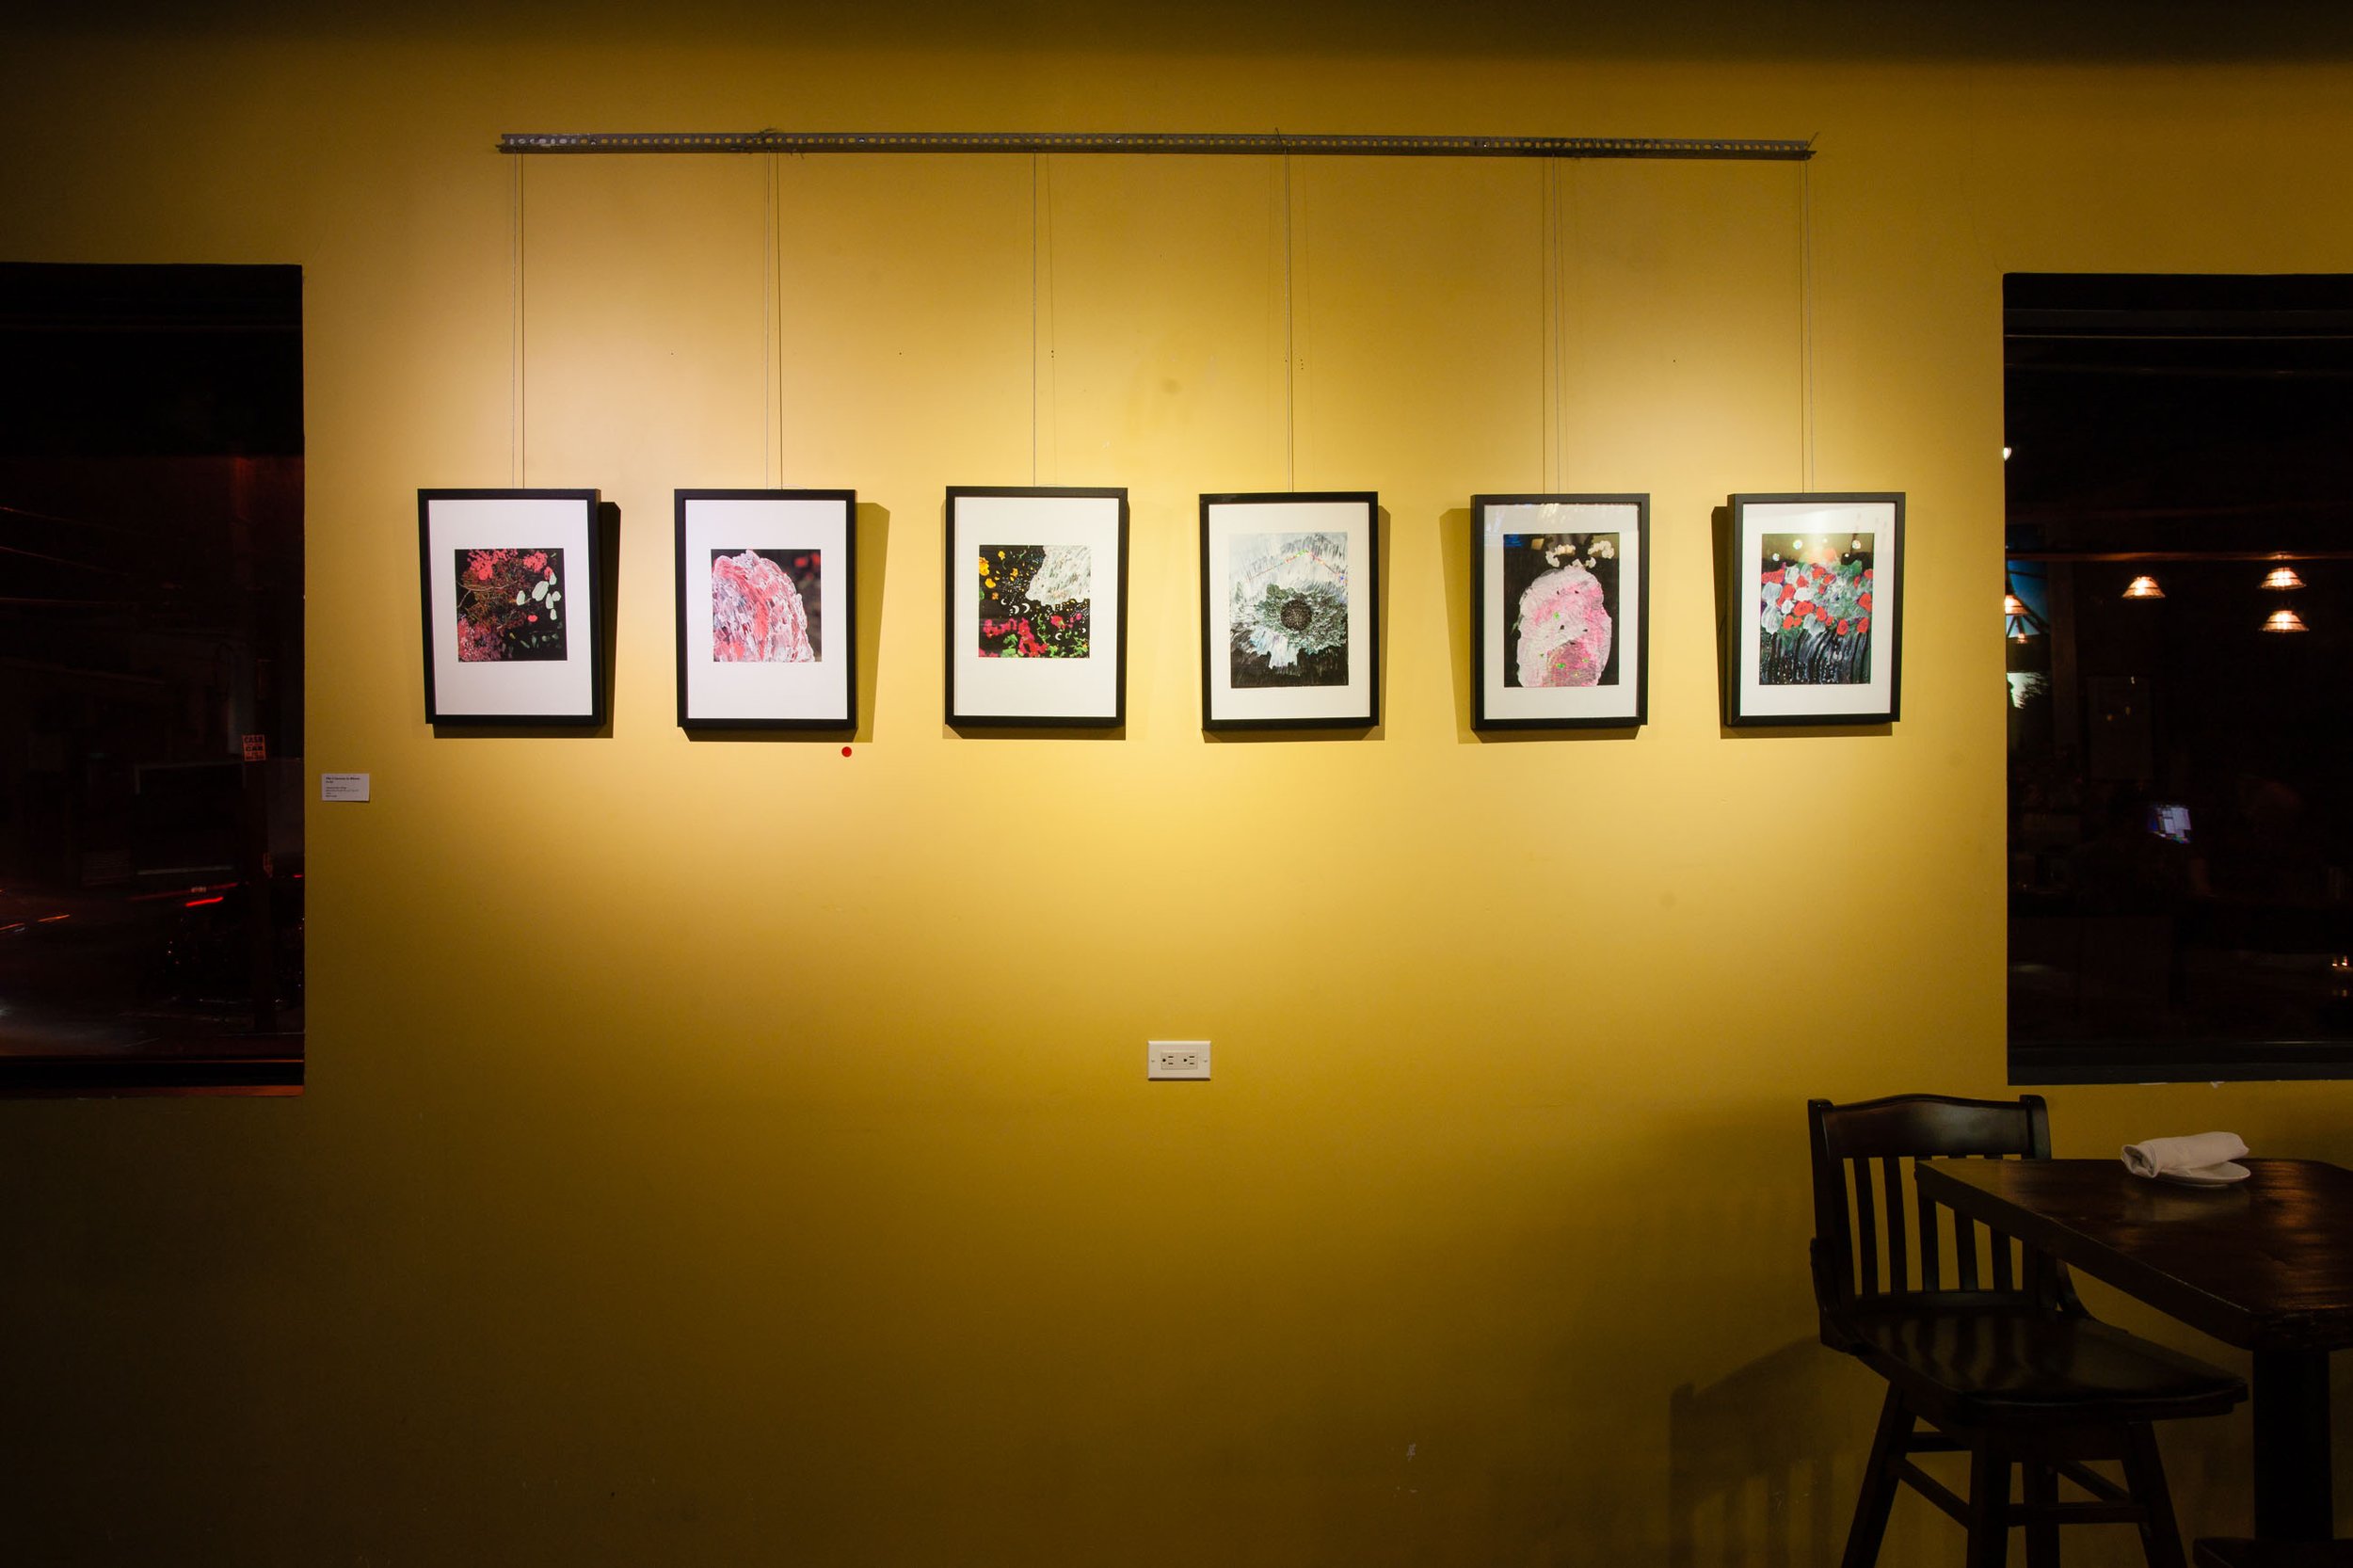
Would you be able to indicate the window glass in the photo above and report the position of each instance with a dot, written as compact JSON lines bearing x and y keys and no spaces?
{"x":150,"y":717}
{"x":2178,"y":613}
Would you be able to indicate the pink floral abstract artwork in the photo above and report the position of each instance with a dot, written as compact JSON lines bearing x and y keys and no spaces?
{"x":1565,"y":612}
{"x":757,"y":612}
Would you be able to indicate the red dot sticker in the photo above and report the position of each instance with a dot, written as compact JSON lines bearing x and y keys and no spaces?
{"x":846,"y":751}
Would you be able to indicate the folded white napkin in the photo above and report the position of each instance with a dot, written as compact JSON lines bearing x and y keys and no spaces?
{"x":2159,"y":1155}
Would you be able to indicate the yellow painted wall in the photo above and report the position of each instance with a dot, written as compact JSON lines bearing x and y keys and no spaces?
{"x":734,"y":1152}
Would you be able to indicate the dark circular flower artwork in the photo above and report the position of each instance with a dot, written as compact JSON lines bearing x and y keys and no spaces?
{"x":1290,"y":610}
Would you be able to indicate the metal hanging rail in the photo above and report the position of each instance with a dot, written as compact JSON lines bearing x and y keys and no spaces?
{"x":1197,"y":143}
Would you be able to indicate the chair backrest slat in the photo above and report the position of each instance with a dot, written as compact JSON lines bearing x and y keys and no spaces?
{"x":2041,"y":1282}
{"x":1866,"y":1229}
{"x":1931,"y":1269}
{"x":2004,"y":1279}
{"x":1899,"y":1265}
{"x":1861,"y":1156}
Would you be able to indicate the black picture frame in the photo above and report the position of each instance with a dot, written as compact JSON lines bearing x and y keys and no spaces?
{"x":788,"y":673}
{"x":1016,"y":671}
{"x":1606,"y":582}
{"x":534,"y":675}
{"x":1236,"y":639}
{"x":1836,"y":654}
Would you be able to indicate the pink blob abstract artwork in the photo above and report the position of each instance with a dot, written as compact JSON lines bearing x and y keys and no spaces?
{"x":755,"y":611}
{"x":1564,"y":628}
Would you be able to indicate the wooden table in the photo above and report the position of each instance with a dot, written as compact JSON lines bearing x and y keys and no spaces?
{"x":2266,"y":1265}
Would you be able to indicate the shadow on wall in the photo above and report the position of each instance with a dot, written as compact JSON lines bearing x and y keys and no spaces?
{"x":608,"y":552}
{"x":1454,"y":548}
{"x":872,"y":532}
{"x":1766,"y":1464}
{"x":1382,"y":532}
{"x":1766,"y":1461}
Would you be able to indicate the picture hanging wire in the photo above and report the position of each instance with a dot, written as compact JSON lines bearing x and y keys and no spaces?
{"x":1556,"y":355}
{"x":1036,"y":175}
{"x":515,"y":368}
{"x":1042,"y":384}
{"x":771,"y":344}
{"x":1543,"y":297}
{"x":1290,"y":362}
{"x":1805,"y":323}
{"x":775,"y":143}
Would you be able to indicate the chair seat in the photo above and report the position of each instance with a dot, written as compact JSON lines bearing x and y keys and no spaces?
{"x":2275,"y":1554}
{"x":2007,"y":1363}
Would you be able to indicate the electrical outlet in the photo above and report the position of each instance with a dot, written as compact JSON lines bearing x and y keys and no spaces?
{"x":1177,"y":1059}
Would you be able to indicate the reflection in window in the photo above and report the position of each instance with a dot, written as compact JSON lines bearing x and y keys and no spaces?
{"x":150,"y":718}
{"x":2177,"y":615}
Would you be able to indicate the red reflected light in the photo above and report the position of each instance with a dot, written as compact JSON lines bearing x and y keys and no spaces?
{"x":201,"y":903}
{"x":176,"y":893}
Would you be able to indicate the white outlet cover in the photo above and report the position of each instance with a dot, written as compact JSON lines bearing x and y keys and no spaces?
{"x":1184,"y":1059}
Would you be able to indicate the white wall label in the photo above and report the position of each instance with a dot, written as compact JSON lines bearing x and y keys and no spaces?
{"x":343,"y":786}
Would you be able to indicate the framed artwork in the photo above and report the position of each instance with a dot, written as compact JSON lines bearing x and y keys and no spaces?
{"x":1037,"y":606}
{"x":1560,"y":610}
{"x":767,"y":609}
{"x":509,"y":593}
{"x":1815,"y":605}
{"x":1290,"y":587}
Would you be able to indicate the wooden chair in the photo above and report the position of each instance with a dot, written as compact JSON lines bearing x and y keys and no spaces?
{"x":2274,"y":1554}
{"x":2001,"y":1362}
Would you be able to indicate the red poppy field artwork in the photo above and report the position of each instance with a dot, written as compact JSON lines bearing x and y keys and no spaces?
{"x":1814,"y":609}
{"x":510,"y":605}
